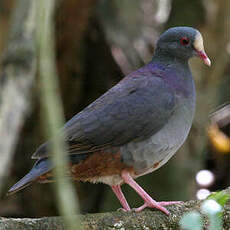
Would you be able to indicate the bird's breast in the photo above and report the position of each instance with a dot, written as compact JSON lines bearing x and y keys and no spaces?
{"x":150,"y":154}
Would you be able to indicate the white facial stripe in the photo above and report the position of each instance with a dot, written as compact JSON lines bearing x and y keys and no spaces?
{"x":198,"y":43}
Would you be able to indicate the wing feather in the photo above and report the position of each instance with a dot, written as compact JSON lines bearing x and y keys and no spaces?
{"x":135,"y":108}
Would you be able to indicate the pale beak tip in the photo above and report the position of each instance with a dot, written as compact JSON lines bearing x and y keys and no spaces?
{"x":204,"y":57}
{"x":207,"y":61}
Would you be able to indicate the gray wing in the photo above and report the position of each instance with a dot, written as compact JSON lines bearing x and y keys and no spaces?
{"x":132,"y":110}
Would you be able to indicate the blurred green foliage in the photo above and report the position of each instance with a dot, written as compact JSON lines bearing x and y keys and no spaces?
{"x":212,"y":207}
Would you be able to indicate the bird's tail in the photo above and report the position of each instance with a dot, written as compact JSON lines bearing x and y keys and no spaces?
{"x":40,"y":167}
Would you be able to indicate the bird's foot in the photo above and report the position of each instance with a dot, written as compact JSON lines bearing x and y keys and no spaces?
{"x":152,"y":205}
{"x":157,"y":205}
{"x":148,"y":201}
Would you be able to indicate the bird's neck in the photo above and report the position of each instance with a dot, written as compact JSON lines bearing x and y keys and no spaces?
{"x":163,"y":56}
{"x":175,"y":72}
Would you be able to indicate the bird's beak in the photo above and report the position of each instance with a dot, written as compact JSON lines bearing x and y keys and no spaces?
{"x":199,"y":47}
{"x":204,"y":57}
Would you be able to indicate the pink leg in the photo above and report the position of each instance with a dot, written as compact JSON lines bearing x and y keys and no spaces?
{"x":148,"y":201}
{"x":119,"y":194}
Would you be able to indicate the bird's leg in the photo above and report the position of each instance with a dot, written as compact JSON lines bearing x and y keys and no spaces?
{"x":148,"y":201}
{"x":119,"y":194}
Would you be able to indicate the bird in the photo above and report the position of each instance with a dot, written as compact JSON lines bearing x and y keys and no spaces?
{"x":135,"y":127}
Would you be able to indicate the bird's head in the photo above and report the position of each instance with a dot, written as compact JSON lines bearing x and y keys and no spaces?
{"x":182,"y":43}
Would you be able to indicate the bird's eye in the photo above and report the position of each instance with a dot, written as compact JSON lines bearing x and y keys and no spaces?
{"x":184,"y":41}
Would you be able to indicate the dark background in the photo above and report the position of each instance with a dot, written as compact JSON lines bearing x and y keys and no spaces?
{"x":97,"y":43}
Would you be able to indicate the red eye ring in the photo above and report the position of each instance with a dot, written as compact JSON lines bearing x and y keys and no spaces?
{"x":184,"y":41}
